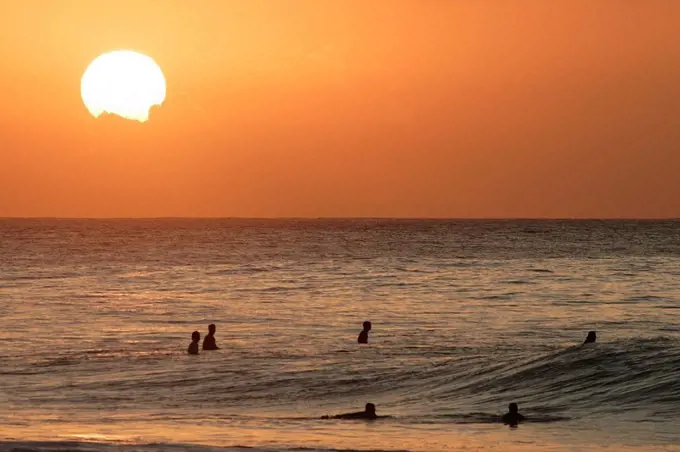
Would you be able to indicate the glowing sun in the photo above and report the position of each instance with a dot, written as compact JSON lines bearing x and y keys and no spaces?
{"x":124,"y":83}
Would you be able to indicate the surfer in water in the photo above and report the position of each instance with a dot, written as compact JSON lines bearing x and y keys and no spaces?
{"x":195,"y":339}
{"x":591,"y":338}
{"x":512,"y":417}
{"x":368,"y":414}
{"x":363,"y":336}
{"x":209,"y":340}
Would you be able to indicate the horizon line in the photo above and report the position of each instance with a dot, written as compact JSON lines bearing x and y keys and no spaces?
{"x":344,"y":218}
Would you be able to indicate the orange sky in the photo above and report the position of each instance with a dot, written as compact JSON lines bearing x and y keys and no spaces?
{"x":381,"y":108}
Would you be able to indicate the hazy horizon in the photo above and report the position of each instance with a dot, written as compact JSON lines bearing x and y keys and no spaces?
{"x":355,"y":218}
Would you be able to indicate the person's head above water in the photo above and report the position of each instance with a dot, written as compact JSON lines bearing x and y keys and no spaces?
{"x":370,"y":409}
{"x":195,"y":336}
{"x":512,"y":417}
{"x":211,"y":328}
{"x":592,"y":337}
{"x":363,"y":336}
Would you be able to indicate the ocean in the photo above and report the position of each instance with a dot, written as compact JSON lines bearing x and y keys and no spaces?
{"x":468,"y":316}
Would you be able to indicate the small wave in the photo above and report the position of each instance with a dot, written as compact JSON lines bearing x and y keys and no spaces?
{"x":487,"y":418}
{"x":111,"y":446}
{"x":104,"y":355}
{"x":613,"y":375}
{"x":644,"y":298}
{"x":411,"y":270}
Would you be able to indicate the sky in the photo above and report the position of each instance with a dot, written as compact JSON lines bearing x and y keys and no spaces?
{"x":348,"y":108}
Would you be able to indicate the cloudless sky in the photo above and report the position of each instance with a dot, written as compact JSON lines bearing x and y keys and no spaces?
{"x":380,"y":108}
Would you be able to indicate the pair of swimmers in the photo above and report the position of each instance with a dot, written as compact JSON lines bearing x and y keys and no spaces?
{"x":208,"y":342}
{"x":512,"y":417}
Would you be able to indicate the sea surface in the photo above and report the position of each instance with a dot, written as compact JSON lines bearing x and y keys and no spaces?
{"x":468,"y":316}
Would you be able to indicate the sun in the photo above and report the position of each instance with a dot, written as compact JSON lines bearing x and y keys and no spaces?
{"x":124,"y":83}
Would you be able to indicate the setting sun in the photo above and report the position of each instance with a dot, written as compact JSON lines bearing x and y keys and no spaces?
{"x":124,"y":83}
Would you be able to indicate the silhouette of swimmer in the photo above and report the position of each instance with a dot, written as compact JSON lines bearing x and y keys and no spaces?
{"x":195,"y":339}
{"x":512,"y":417}
{"x":363,"y":336}
{"x":368,"y":413}
{"x":209,"y":340}
{"x":591,"y":338}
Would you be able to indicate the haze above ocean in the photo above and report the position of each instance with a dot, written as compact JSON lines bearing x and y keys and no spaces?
{"x":468,"y":315}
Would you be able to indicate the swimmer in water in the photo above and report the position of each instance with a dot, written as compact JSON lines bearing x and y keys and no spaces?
{"x":368,"y":414}
{"x":195,"y":339}
{"x":363,"y":336}
{"x":209,"y":340}
{"x":512,"y":417}
{"x":591,"y":338}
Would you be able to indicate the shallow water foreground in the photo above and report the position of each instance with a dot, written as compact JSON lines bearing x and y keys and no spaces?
{"x":350,"y":436}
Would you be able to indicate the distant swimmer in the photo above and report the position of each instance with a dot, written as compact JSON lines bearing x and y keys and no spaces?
{"x":209,"y":340}
{"x":512,"y":417}
{"x":368,"y":414}
{"x":195,"y":339}
{"x":363,"y":336}
{"x":591,"y":338}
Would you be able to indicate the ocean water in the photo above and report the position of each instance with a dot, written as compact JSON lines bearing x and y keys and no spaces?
{"x":96,"y":316}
